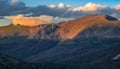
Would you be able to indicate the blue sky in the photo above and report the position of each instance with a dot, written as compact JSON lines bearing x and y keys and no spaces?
{"x":74,"y":3}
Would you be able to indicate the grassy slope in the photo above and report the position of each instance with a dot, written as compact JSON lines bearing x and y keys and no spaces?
{"x":14,"y":30}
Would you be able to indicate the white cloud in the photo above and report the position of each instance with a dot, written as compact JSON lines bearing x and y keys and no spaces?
{"x":61,"y":5}
{"x":68,"y":6}
{"x":57,"y":19}
{"x":12,"y":2}
{"x":117,"y":7}
{"x":90,"y":7}
{"x":52,"y":6}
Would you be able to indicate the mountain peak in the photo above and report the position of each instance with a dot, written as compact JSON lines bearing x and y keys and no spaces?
{"x":107,"y":17}
{"x":71,"y":28}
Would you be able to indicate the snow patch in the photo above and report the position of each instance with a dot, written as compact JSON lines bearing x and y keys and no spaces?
{"x":116,"y":57}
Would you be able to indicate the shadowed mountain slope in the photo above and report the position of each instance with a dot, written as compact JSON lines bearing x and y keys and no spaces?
{"x":7,"y":62}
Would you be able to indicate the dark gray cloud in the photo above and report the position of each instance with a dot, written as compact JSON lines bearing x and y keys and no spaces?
{"x":7,"y":9}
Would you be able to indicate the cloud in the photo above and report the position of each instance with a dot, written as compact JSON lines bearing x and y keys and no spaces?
{"x":61,"y":5}
{"x":58,"y":20}
{"x":60,"y":10}
{"x":117,"y":7}
{"x":11,"y":9}
{"x":90,"y":7}
{"x":45,"y":10}
{"x":52,"y":6}
{"x":68,"y":6}
{"x":29,"y":21}
{"x":13,"y":2}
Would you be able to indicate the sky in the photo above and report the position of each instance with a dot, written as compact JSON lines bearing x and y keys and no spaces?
{"x":54,"y":11}
{"x":4,"y":22}
{"x":59,"y":8}
{"x":74,"y":3}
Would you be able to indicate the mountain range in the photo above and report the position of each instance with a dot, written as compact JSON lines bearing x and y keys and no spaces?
{"x":86,"y":41}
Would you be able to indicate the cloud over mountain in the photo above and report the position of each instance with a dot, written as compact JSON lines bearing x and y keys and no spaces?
{"x":90,"y":7}
{"x":29,"y":21}
{"x":117,"y":7}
